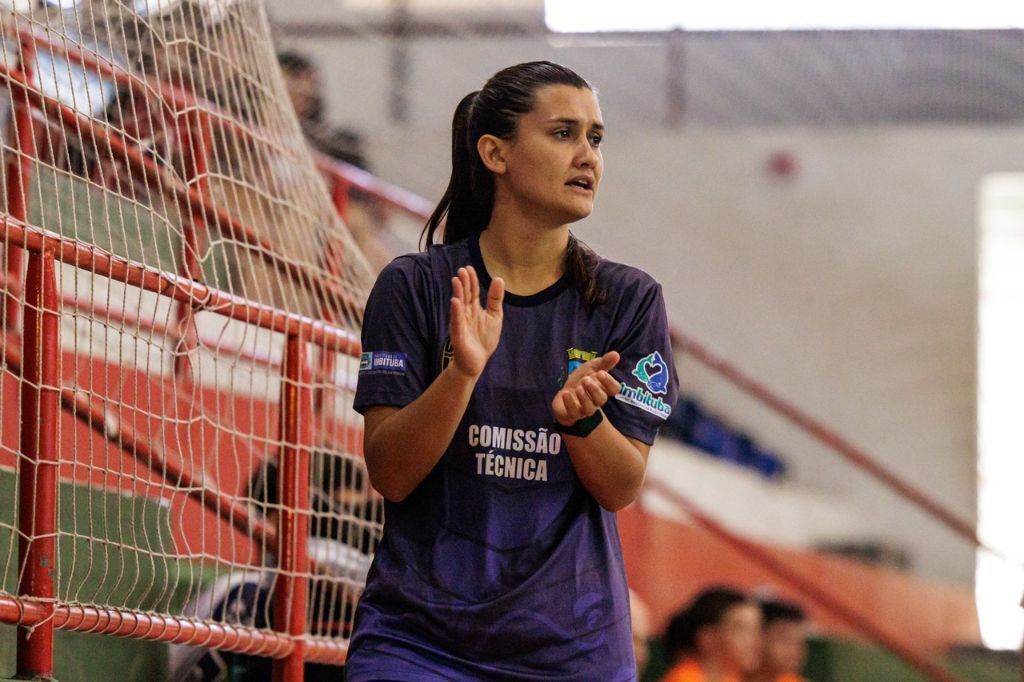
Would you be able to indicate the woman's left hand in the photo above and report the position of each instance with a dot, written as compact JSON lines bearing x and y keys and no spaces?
{"x":586,"y":390}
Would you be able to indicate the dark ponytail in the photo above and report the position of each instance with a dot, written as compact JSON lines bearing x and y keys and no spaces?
{"x":465,"y":209}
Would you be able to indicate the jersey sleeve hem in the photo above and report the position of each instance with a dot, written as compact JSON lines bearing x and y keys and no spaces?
{"x":631,"y":429}
{"x":382,"y":399}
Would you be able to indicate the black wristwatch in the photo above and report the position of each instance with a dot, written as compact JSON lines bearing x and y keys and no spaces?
{"x":583,"y":427}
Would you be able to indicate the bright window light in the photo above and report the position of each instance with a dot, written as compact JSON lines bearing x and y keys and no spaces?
{"x":587,"y":16}
{"x":999,"y":582}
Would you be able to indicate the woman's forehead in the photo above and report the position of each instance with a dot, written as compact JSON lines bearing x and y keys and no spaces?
{"x":557,"y":102}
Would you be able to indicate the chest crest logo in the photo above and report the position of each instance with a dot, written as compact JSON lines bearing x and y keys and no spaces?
{"x":577,"y":356}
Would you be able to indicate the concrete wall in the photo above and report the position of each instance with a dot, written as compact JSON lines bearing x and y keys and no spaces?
{"x":849,"y":287}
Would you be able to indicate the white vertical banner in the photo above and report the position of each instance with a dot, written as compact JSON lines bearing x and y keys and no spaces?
{"x":1000,"y":582}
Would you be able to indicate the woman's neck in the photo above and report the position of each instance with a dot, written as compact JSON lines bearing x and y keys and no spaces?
{"x":528,"y":258}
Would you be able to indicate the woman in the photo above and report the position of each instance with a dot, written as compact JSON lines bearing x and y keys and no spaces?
{"x":717,"y":638}
{"x":512,"y":383}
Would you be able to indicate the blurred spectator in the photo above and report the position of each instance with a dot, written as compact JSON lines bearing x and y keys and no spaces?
{"x":640,"y":618}
{"x":305,"y":90}
{"x":362,"y":216}
{"x":784,"y":643}
{"x":717,"y":638}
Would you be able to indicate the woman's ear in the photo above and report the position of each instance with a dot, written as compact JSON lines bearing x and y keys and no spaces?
{"x":492,"y":152}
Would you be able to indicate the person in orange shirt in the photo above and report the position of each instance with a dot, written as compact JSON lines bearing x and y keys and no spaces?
{"x":717,"y":638}
{"x":784,"y":643}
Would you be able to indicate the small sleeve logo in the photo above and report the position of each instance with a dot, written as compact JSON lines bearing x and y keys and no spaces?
{"x":382,"y":361}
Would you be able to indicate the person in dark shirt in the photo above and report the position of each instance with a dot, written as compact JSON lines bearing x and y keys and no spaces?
{"x":512,"y":382}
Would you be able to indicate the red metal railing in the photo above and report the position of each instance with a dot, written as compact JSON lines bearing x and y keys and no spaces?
{"x":35,"y":612}
{"x":22,"y":135}
{"x":37,"y":477}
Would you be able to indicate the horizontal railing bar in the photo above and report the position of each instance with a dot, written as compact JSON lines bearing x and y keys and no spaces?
{"x":170,"y":629}
{"x":200,"y":296}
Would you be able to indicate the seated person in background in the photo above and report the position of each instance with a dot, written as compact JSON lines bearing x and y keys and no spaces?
{"x":784,"y":643}
{"x":717,"y":638}
{"x":305,"y":91}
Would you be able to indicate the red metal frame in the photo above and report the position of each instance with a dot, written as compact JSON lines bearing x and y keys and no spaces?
{"x":200,"y":296}
{"x":19,"y":169}
{"x":37,"y":510}
{"x":170,"y":629}
{"x":188,"y":198}
{"x":37,"y":475}
{"x":292,"y":594}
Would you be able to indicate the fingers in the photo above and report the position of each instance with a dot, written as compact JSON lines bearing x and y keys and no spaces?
{"x":495,"y":295}
{"x":561,"y":410}
{"x":572,"y":404}
{"x":466,"y":287}
{"x":587,"y":405}
{"x":608,"y":383}
{"x":457,"y":316}
{"x":607,"y":361}
{"x":603,"y":363}
{"x":474,"y":283}
{"x":457,"y":288}
{"x":595,"y":391}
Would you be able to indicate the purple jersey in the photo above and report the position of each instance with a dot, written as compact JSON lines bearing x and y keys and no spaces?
{"x":500,"y":565}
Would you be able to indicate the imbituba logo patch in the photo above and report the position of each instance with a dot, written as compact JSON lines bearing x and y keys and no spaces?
{"x":653,"y":372}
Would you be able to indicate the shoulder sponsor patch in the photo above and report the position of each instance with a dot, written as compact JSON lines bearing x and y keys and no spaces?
{"x":382,"y":361}
{"x":638,"y":397}
{"x":653,"y":372}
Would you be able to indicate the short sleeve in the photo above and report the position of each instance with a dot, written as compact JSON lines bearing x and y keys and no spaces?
{"x":646,"y":370}
{"x":394,"y":366}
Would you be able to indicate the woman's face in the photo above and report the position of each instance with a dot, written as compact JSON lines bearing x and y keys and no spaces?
{"x":553,"y":164}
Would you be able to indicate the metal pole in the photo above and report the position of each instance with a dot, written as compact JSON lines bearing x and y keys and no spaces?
{"x":37,"y":476}
{"x":19,"y":169}
{"x":292,"y":592}
{"x":675,"y":83}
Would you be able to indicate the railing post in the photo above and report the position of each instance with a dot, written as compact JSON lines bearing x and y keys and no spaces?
{"x":19,"y":169}
{"x":195,"y":138}
{"x":37,"y":476}
{"x":340,"y":188}
{"x":292,"y":593}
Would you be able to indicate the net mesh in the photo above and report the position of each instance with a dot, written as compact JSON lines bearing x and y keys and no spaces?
{"x":160,"y":132}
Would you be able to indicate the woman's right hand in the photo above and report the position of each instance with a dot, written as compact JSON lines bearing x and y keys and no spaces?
{"x":474,"y":330}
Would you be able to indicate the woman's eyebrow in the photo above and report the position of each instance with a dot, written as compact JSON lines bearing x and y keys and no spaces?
{"x":573,"y":122}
